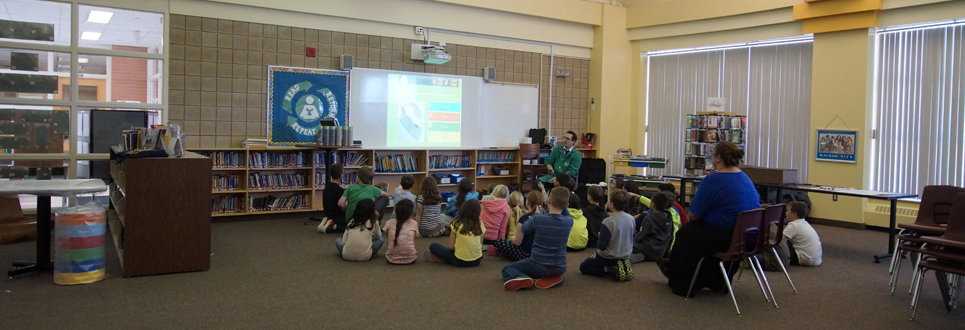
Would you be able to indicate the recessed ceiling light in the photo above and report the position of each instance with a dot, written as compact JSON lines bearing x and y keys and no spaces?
{"x":87,"y":35}
{"x":99,"y":17}
{"x":82,"y":60}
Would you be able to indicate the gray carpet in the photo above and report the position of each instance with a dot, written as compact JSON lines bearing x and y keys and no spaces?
{"x":279,"y":274}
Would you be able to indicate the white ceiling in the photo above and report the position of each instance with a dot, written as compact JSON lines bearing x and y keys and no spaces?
{"x":121,"y":30}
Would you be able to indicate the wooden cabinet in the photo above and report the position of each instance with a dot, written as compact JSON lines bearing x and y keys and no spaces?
{"x":159,"y":214}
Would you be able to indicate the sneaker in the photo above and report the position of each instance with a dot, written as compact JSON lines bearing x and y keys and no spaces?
{"x":432,"y":257}
{"x":518,"y":283}
{"x":624,"y":271}
{"x":495,"y":252}
{"x":549,"y":282}
{"x":324,"y":225}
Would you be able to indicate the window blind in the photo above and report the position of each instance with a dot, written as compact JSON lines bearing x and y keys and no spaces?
{"x":770,"y":84}
{"x":918,"y":109}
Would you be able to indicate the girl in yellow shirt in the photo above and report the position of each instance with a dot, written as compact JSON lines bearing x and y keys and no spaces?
{"x":465,"y":239}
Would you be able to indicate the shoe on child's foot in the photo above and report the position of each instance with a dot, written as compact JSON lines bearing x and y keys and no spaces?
{"x":549,"y":282}
{"x":324,"y":226}
{"x":430,"y":257}
{"x":518,"y":283}
{"x":495,"y":252}
{"x":624,"y":271}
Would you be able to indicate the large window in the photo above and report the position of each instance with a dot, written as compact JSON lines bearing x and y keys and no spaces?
{"x":769,"y":82}
{"x":919,"y":108}
{"x":61,"y":59}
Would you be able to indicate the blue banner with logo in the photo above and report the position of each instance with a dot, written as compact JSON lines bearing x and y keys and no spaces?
{"x":299,"y":98}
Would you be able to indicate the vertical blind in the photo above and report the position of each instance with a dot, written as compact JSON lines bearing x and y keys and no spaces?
{"x":770,"y":84}
{"x":918,"y":109}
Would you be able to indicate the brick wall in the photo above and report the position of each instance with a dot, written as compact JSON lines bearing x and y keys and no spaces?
{"x":218,"y":70}
{"x":128,"y":77}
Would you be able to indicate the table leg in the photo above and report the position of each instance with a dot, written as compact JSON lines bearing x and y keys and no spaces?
{"x":891,"y":232}
{"x":44,"y":226}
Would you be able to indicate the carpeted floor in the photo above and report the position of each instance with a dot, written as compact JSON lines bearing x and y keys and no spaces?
{"x":278,"y":274}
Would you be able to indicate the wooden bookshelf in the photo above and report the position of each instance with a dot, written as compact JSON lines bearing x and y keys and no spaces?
{"x":159,"y":214}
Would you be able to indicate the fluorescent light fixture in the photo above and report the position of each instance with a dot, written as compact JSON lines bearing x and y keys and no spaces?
{"x":87,"y":35}
{"x":99,"y":17}
{"x":82,"y":60}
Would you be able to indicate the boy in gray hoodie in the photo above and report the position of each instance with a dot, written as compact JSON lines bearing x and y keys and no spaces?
{"x":655,"y":233}
{"x":615,"y":243}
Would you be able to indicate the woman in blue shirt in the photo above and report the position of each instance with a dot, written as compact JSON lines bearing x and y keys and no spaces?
{"x":713,"y":214}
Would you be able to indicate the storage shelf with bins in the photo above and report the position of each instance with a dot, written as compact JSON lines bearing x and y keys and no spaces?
{"x":499,"y":165}
{"x":703,"y":130}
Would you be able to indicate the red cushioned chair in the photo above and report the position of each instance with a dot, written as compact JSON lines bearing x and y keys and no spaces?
{"x":944,"y":254}
{"x":933,"y":213}
{"x":740,"y":248}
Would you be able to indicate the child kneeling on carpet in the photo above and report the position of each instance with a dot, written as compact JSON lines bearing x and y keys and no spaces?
{"x":504,"y":247}
{"x":402,"y":232}
{"x":550,"y":232}
{"x":465,"y":239}
{"x":655,"y":233}
{"x":615,"y":243}
{"x":362,"y":239}
{"x":495,"y":214}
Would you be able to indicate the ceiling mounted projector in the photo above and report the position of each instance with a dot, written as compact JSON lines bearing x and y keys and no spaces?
{"x":431,"y":54}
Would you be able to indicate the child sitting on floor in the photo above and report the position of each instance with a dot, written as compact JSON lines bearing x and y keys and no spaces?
{"x":403,"y":191}
{"x":465,"y":240}
{"x":516,"y":211}
{"x":464,"y":192}
{"x":364,"y":190}
{"x":334,"y":221}
{"x":594,"y":213}
{"x":401,"y":232}
{"x":516,"y":252}
{"x":578,"y":234}
{"x":655,"y":233}
{"x":428,"y":210}
{"x":362,"y":239}
{"x":803,"y":243}
{"x":615,"y":243}
{"x":547,"y":263}
{"x":495,"y":214}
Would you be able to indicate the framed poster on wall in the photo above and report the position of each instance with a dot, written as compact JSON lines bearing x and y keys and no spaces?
{"x":298,"y":98}
{"x":836,"y":145}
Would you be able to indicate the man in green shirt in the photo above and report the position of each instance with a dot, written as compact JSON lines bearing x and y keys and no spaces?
{"x":564,"y":158}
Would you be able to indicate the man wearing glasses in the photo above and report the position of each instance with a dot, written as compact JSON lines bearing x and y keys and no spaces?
{"x":564,"y":158}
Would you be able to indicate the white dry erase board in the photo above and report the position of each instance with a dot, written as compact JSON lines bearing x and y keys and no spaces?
{"x":423,"y":110}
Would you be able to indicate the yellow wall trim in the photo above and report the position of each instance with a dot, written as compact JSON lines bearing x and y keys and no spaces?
{"x":841,"y":22}
{"x":684,"y":11}
{"x":576,"y":11}
{"x":836,"y":7}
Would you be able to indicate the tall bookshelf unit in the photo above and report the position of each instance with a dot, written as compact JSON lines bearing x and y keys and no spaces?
{"x":497,"y":165}
{"x":705,"y":129}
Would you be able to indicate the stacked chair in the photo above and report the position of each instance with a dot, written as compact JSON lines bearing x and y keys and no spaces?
{"x":933,"y":213}
{"x":945,"y":255}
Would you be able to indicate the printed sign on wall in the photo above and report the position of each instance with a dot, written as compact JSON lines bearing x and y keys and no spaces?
{"x":837,"y":145}
{"x":298,"y":98}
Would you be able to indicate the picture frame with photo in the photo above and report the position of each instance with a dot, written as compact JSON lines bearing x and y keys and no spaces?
{"x":836,"y":146}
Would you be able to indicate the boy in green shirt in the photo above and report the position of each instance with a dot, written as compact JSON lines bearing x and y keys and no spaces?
{"x":364,"y":190}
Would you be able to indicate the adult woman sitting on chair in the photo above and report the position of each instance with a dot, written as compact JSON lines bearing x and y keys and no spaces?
{"x":713,"y":215}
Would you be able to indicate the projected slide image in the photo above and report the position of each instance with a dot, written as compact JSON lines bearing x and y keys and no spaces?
{"x":424,"y":111}
{"x":411,"y":119}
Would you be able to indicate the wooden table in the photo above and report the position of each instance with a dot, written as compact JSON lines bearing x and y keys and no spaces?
{"x":684,"y":179}
{"x":889,"y":196}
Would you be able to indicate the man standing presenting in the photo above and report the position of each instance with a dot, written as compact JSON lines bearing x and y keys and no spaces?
{"x":564,"y":158}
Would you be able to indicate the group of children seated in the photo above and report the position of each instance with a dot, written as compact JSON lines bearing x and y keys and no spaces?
{"x":534,"y":231}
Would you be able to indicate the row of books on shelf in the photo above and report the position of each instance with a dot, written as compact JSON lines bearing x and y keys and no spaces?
{"x":272,"y":203}
{"x":225,"y":159}
{"x":347,"y":179}
{"x":716,"y":121}
{"x":257,"y":181}
{"x":497,"y":156}
{"x":442,"y":161}
{"x":698,"y":163}
{"x":275,"y":160}
{"x":224,"y":182}
{"x":695,"y":135}
{"x":396,"y":163}
{"x":349,"y":159}
{"x":226,"y":204}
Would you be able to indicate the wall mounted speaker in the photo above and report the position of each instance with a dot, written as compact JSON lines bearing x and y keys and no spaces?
{"x":489,"y":74}
{"x":345,"y":62}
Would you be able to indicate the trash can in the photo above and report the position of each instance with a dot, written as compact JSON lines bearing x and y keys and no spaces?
{"x":79,"y":244}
